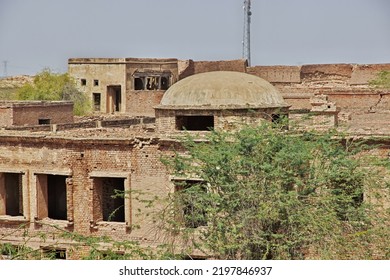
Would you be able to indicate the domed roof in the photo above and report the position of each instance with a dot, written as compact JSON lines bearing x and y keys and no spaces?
{"x":222,"y":89}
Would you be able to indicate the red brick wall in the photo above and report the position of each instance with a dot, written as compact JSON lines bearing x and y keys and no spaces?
{"x":196,"y":67}
{"x":142,"y":103}
{"x":5,"y":116}
{"x":137,"y":159}
{"x":29,"y":114}
{"x":277,"y":74}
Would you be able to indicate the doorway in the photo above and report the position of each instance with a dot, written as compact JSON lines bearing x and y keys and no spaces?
{"x":114,"y":99}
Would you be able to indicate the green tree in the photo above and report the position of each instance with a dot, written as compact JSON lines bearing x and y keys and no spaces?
{"x":262,"y":193}
{"x":382,"y":80}
{"x":53,"y":86}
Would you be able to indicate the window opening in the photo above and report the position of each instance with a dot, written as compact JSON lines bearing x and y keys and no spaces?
{"x":53,"y":253}
{"x":197,"y":123}
{"x":95,"y":83}
{"x":151,"y":82}
{"x":12,"y":194}
{"x":83,"y":82}
{"x":110,"y":200}
{"x":275,"y":118}
{"x":52,"y":196}
{"x":139,"y":84}
{"x":44,"y":121}
{"x":96,"y":101}
{"x":56,"y":193}
{"x":164,"y":83}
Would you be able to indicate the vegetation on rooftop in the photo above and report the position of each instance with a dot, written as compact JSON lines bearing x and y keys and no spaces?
{"x":382,"y":80}
{"x":51,"y":86}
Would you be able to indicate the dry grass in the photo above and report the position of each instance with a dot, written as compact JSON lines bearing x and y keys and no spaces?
{"x":7,"y":93}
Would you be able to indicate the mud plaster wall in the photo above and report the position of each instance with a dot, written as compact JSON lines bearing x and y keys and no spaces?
{"x":107,"y":74}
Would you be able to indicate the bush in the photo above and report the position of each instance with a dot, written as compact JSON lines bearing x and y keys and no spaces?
{"x":53,"y":86}
{"x":271,"y":195}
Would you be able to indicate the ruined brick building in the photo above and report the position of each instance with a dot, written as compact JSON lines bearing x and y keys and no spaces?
{"x":60,"y":175}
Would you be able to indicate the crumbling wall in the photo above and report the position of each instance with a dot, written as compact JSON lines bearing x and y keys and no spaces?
{"x":319,"y":72}
{"x":196,"y":67}
{"x":81,"y":160}
{"x":225,"y":65}
{"x":20,"y":113}
{"x":5,"y":116}
{"x":55,"y":112}
{"x":277,"y":74}
{"x":347,"y":85}
{"x":186,"y":68}
{"x":142,"y":102}
{"x":363,"y":74}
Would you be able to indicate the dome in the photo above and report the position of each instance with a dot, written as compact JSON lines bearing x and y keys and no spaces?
{"x":224,"y":89}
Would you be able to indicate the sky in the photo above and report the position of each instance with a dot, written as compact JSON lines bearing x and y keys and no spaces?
{"x":38,"y":34}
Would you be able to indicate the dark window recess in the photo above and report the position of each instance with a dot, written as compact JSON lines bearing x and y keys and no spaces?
{"x":118,"y":99}
{"x":139,"y":84}
{"x":110,"y":197}
{"x":275,"y":118}
{"x":191,"y":202}
{"x":164,"y":83}
{"x":96,"y":101}
{"x":43,"y":121}
{"x":13,"y":192}
{"x":8,"y":250}
{"x":56,"y":194}
{"x":197,"y":123}
{"x":111,"y":255}
{"x":95,"y":83}
{"x":151,"y":82}
{"x":53,"y":253}
{"x":83,"y":82}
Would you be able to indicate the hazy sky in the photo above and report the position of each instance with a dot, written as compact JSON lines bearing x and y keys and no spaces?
{"x":44,"y":33}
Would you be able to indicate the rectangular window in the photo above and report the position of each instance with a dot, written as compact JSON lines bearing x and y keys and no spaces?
{"x":191,"y":202}
{"x":139,"y":83}
{"x":151,"y":81}
{"x":50,"y":253}
{"x":95,"y":83}
{"x":43,"y":121}
{"x":109,"y":199}
{"x":52,"y":196}
{"x":164,"y":83}
{"x":96,"y":101}
{"x":83,"y":82}
{"x":11,"y":194}
{"x":197,"y":123}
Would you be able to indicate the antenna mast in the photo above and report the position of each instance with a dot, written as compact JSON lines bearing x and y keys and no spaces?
{"x":246,"y":42}
{"x":5,"y":68}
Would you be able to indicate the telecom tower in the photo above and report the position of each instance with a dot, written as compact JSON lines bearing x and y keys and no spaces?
{"x":246,"y":41}
{"x":5,"y":68}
